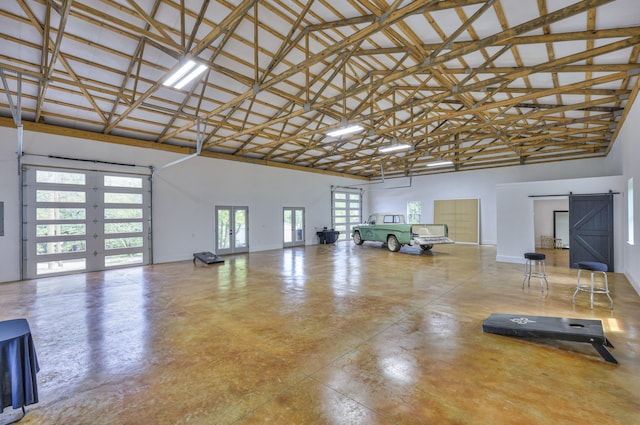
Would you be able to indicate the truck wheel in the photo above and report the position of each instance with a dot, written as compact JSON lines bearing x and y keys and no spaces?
{"x":392,"y":243}
{"x":357,"y":239}
{"x":426,"y":247}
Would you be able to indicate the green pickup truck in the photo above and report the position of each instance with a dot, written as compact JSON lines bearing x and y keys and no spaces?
{"x":391,"y":229}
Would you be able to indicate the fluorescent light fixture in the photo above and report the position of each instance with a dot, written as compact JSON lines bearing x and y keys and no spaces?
{"x":185,"y":75}
{"x":345,"y":130}
{"x":190,"y":76}
{"x":393,"y":148}
{"x":439,"y":163}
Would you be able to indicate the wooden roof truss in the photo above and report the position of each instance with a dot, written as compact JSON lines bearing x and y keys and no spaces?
{"x":481,"y":83}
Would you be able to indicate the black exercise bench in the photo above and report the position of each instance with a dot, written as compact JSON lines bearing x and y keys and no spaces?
{"x":578,"y":330}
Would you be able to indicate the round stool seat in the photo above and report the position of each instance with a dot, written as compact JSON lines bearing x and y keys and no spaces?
{"x":592,"y":265}
{"x":534,"y":256}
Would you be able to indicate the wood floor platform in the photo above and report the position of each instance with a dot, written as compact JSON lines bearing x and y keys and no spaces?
{"x":324,"y":334}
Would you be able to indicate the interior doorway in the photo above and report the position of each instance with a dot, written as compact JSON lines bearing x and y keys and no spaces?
{"x":561,"y":229}
{"x":548,"y":225}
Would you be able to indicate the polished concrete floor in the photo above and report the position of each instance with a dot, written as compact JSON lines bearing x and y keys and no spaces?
{"x":327,"y":334}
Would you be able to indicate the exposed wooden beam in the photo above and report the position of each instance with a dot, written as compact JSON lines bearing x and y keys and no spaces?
{"x":229,"y":20}
{"x":520,"y":40}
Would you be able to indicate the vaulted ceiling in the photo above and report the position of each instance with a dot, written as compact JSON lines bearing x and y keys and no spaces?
{"x":480,"y":83}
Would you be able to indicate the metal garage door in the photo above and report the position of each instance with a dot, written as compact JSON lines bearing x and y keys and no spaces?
{"x":81,"y":221}
{"x":346,"y":207}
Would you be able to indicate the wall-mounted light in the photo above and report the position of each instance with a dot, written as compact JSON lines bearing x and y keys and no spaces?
{"x":439,"y":163}
{"x":185,"y":74}
{"x":354,"y":128}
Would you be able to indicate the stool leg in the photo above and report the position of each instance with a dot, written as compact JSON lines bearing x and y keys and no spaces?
{"x":543,"y":275}
{"x":539,"y":273}
{"x":592,"y":290}
{"x":577,"y":287}
{"x":606,"y":288}
{"x":527,"y":273}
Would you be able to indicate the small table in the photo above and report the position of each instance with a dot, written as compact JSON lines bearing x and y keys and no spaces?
{"x":562,"y":328}
{"x":18,"y":365}
{"x":328,"y":236}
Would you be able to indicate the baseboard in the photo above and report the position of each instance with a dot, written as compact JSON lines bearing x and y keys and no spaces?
{"x":633,"y":283}
{"x":510,"y":259}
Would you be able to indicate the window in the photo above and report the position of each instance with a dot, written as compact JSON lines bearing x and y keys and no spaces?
{"x":414,"y":212}
{"x":391,"y":219}
{"x":630,"y":237}
{"x":60,"y":177}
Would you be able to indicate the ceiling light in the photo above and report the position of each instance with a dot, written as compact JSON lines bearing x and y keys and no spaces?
{"x":185,"y":74}
{"x":439,"y":163}
{"x":394,"y":147}
{"x":345,"y":130}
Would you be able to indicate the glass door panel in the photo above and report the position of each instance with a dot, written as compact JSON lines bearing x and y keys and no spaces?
{"x":232,"y":230}
{"x":223,"y":226}
{"x":240,"y":225}
{"x":299,"y":224}
{"x":293,"y":226}
{"x":288,"y":220}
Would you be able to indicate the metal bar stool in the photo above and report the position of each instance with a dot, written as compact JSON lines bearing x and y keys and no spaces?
{"x":593,"y":267}
{"x":534,"y":266}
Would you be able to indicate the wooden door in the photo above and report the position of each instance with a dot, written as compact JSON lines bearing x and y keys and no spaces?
{"x":591,"y":229}
{"x":462,"y":218}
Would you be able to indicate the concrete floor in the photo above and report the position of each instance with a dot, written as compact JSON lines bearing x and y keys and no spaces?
{"x":327,"y":334}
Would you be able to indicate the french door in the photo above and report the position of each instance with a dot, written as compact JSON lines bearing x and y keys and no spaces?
{"x":293,"y":226}
{"x":232,"y":230}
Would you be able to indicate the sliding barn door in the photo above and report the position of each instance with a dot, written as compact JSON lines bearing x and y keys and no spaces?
{"x":591,"y":229}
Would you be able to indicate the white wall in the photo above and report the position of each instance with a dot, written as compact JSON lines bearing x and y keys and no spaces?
{"x":184,"y":195}
{"x":515,"y":208}
{"x":627,"y":146}
{"x":479,"y":184}
{"x":9,"y":194}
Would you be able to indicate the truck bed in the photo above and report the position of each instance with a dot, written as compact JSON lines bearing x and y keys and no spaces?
{"x":430,"y":234}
